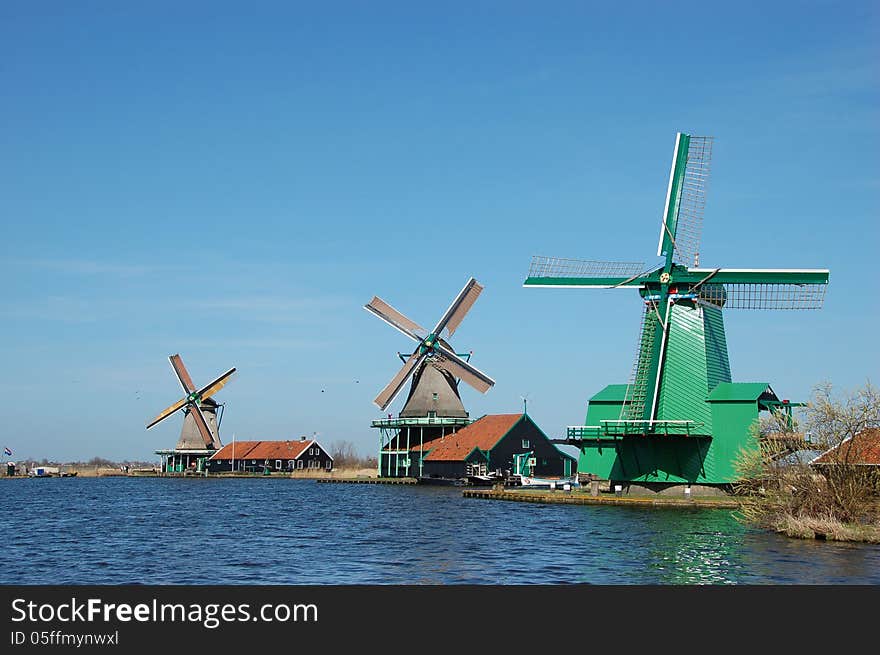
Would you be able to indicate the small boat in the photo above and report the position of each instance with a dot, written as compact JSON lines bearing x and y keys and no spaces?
{"x":530,"y":482}
{"x":484,"y":480}
{"x":50,"y":472}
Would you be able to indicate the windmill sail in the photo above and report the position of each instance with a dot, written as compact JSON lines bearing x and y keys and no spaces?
{"x":732,"y":288}
{"x":193,"y":403}
{"x":459,"y":308}
{"x":395,"y":318}
{"x":389,"y":393}
{"x":582,"y":273}
{"x":682,"y":223}
{"x":449,"y":361}
{"x":432,"y":350}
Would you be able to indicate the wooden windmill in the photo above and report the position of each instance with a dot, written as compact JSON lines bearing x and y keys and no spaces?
{"x":680,"y":419}
{"x":200,"y":433}
{"x":433,"y":406}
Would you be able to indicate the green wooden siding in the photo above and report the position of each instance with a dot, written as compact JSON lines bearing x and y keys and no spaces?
{"x":606,"y":405}
{"x":695,"y":385}
{"x":733,"y":421}
{"x":611,"y":393}
{"x":718,"y":363}
{"x":684,"y":383}
{"x":598,"y":459}
{"x":739,"y":391}
{"x":649,"y":459}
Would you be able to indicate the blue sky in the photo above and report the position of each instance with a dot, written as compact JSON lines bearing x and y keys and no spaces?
{"x":233,"y":181}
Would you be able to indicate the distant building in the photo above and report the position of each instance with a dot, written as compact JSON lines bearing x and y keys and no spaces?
{"x":490,"y":444}
{"x":272,"y":456}
{"x":861,"y":450}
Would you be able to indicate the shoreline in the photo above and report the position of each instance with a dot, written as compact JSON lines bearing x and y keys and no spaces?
{"x":584,"y":498}
{"x":106,"y":472}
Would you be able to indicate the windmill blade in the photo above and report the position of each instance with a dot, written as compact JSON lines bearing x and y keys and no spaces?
{"x":682,"y":222}
{"x":389,"y":393}
{"x":763,"y":296}
{"x":459,"y":307}
{"x":581,"y":273}
{"x":167,"y":412}
{"x":213,"y":387}
{"x":762,"y":289}
{"x":182,"y":374}
{"x":202,"y":424}
{"x":395,"y":318}
{"x":452,"y":363}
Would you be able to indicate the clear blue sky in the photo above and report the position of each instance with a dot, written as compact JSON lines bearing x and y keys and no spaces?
{"x":233,"y":181}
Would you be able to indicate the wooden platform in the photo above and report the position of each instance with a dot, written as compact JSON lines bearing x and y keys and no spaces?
{"x":583,"y":498}
{"x":371,"y":480}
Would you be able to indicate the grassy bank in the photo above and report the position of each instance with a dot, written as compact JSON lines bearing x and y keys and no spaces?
{"x":827,"y":529}
{"x":769,"y":513}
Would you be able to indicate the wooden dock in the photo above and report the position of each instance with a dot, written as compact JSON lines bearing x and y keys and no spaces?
{"x":582,"y":498}
{"x":371,"y":480}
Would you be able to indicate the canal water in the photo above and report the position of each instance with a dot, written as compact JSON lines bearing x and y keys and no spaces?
{"x":282,"y":531}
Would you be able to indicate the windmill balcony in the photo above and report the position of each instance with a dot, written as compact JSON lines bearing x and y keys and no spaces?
{"x":420,"y":420}
{"x":611,"y":430}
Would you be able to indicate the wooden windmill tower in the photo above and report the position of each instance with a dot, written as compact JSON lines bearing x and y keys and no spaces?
{"x":200,"y":435}
{"x":680,"y":419}
{"x":433,"y":407}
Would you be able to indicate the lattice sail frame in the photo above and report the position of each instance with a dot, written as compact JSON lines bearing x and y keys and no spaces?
{"x":582,"y":268}
{"x":763,"y":296}
{"x":692,"y":206}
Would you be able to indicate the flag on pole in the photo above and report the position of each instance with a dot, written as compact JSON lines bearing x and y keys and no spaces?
{"x":7,"y":452}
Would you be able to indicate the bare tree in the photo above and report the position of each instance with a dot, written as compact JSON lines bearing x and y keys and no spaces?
{"x":836,"y":494}
{"x":843,"y":425}
{"x":344,"y":454}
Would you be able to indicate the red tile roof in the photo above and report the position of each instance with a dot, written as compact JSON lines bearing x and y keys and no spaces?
{"x":864,"y":448}
{"x":242,"y":448}
{"x":428,"y":445}
{"x":263,"y":450}
{"x":483,"y":434}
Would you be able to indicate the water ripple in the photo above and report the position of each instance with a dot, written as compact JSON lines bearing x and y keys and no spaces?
{"x":178,"y":531}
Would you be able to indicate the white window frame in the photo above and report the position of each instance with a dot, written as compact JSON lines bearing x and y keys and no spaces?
{"x":329,"y":464}
{"x":277,"y":464}
{"x":299,"y":463}
{"x":525,"y":443}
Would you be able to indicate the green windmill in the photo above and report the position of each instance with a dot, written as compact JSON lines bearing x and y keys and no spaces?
{"x":680,"y":419}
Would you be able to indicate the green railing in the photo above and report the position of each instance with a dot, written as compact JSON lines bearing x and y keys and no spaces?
{"x":613,"y":429}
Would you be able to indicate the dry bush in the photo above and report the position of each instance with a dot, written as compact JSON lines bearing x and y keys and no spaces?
{"x":345,"y":456}
{"x":800,"y":499}
{"x":850,"y":486}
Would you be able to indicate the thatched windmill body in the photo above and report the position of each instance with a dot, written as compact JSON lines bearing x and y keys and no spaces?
{"x":433,"y":407}
{"x":200,"y":434}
